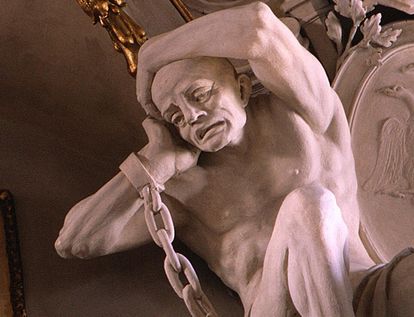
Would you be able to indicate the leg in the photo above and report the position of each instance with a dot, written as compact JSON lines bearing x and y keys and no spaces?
{"x":388,"y":289}
{"x":400,"y":298}
{"x":305,"y":267}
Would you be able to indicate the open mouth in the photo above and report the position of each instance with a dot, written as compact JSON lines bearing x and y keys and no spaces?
{"x":210,"y":130}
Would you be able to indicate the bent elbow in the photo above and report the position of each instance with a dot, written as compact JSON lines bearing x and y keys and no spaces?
{"x":271,"y":38}
{"x":262,"y":21}
{"x":261,"y":13}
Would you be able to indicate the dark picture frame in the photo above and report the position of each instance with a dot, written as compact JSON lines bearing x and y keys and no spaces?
{"x":13,"y":263}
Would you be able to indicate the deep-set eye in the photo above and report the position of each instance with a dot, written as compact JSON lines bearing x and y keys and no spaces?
{"x":202,"y":94}
{"x":177,"y":119}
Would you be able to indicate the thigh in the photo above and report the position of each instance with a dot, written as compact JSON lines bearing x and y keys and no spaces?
{"x":306,"y":259}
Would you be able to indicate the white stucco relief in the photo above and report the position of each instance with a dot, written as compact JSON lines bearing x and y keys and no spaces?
{"x":264,"y":189}
{"x":394,"y":169}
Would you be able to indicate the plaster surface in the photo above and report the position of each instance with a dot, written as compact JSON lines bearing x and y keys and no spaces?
{"x":68,"y":116}
{"x":289,"y":242}
{"x":63,"y":132}
{"x":375,"y":87}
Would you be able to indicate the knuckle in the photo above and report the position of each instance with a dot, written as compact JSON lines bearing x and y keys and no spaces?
{"x":62,"y":248}
{"x":81,"y":251}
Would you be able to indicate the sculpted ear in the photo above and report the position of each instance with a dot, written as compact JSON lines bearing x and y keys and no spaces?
{"x":245,"y":85}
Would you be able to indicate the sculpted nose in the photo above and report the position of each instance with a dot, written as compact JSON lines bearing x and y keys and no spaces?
{"x":196,"y":117}
{"x":193,"y":115}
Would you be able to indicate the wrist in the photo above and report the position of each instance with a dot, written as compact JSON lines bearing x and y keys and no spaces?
{"x":136,"y":170}
{"x":158,"y":171}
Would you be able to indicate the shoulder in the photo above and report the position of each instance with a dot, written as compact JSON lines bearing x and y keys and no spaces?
{"x":268,"y":108}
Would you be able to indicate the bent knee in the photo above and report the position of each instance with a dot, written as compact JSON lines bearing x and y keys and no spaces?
{"x":311,"y":206}
{"x":311,"y":195}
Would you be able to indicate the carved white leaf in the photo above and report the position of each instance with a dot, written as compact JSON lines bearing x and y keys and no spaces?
{"x":334,"y":30}
{"x":353,"y":9}
{"x":358,"y":11}
{"x":343,"y":8}
{"x":370,"y":29}
{"x":369,"y":5}
{"x":387,"y":37}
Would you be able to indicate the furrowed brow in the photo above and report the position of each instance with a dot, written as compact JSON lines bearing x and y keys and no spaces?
{"x":197,"y":84}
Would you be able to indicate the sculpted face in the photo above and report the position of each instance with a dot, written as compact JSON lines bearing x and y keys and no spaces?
{"x":204,"y":99}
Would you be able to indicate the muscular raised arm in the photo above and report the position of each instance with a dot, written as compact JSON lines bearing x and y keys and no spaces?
{"x":254,"y":33}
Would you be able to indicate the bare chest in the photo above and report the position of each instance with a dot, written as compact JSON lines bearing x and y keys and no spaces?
{"x":247,"y":183}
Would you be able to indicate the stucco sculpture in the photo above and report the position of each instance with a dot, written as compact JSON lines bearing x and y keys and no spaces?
{"x":375,"y":84}
{"x":263,"y":189}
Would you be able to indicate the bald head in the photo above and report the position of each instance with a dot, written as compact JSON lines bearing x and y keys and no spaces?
{"x":204,"y":99}
{"x":168,"y":77}
{"x":208,"y":66}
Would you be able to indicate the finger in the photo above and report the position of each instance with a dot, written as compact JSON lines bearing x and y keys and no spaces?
{"x":156,"y":131}
{"x":144,"y":80}
{"x":143,"y":86}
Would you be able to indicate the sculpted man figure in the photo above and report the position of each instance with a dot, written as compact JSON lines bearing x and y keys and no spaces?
{"x":263,"y":189}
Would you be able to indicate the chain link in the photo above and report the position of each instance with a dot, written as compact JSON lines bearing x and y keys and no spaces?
{"x":198,"y":306}
{"x":172,"y":256}
{"x":189,"y":274}
{"x":150,"y":214}
{"x":175,"y":263}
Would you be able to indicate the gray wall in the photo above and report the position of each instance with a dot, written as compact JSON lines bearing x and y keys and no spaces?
{"x":68,"y":118}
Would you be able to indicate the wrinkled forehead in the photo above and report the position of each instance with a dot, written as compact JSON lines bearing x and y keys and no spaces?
{"x":177,"y":76}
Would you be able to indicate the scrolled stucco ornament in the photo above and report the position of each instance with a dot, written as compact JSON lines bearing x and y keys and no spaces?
{"x":263,"y":189}
{"x":356,"y":11}
{"x":375,"y":86}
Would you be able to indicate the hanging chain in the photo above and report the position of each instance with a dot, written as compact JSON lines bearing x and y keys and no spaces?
{"x":175,"y":264}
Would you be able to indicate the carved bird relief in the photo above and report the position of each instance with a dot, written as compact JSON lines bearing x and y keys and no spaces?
{"x":394,"y":169}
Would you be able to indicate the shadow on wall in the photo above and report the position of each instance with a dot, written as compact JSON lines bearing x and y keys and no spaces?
{"x":68,"y":118}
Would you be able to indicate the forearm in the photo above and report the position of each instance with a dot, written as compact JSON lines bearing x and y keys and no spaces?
{"x":230,"y":33}
{"x":112,"y":219}
{"x":97,"y":225}
{"x":253,"y":33}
